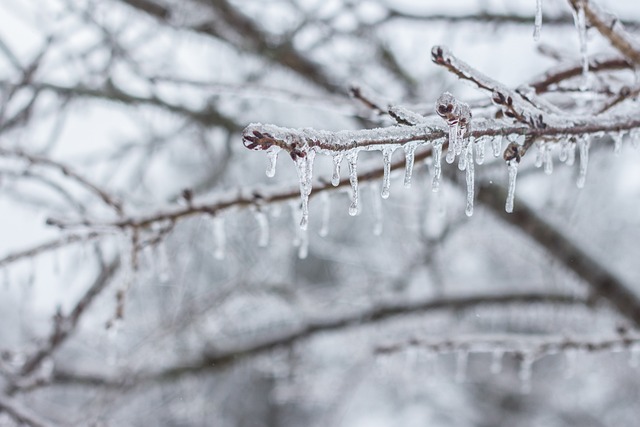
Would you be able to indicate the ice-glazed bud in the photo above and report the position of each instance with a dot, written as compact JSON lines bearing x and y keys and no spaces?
{"x":255,"y":140}
{"x":446,"y":107}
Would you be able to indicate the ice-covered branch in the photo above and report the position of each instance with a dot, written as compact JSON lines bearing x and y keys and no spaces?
{"x":534,"y":346}
{"x":215,"y":360}
{"x":610,"y":27}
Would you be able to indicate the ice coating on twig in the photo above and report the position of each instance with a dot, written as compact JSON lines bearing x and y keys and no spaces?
{"x":437,"y":165}
{"x":409,"y":153}
{"x":458,"y":117}
{"x":583,"y":144}
{"x":538,"y":21}
{"x":511,"y":192}
{"x":386,"y":179}
{"x":352,"y":158}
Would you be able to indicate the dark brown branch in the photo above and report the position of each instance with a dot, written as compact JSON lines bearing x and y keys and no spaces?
{"x":602,"y":282}
{"x":47,"y":247}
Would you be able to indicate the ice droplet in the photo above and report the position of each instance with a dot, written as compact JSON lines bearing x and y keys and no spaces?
{"x":337,"y":161}
{"x":470,"y":179}
{"x":386,"y":179}
{"x":263,"y":226}
{"x":583,"y":143}
{"x":581,"y":25}
{"x":272,"y":156}
{"x":409,"y":151}
{"x":496,"y":144}
{"x":538,"y":21}
{"x":496,"y":361}
{"x":352,"y":158}
{"x":511,"y":193}
{"x":326,"y":212}
{"x":219,"y":237}
{"x":437,"y":165}
{"x":462,"y":358}
{"x":480,"y":145}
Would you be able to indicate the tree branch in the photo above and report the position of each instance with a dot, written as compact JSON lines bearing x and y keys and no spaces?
{"x":22,"y":414}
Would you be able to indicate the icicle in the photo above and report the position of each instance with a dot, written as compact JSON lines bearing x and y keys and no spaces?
{"x":453,"y":142}
{"x":263,"y":225}
{"x":571,"y":153}
{"x":386,"y":180}
{"x":564,"y":150}
{"x":496,"y":144}
{"x":617,"y":142}
{"x":272,"y":155}
{"x":409,"y":151}
{"x":584,"y":142}
{"x":337,"y":161}
{"x":219,"y":237}
{"x":581,"y":26}
{"x":538,"y":21}
{"x":305,"y":176}
{"x":496,"y":361}
{"x":470,"y":179}
{"x":437,"y":165}
{"x":462,"y":357}
{"x":353,"y":179}
{"x":480,"y":143}
{"x":462,"y":160}
{"x":377,"y":212}
{"x":548,"y":160}
{"x":525,"y":371}
{"x":511,"y":194}
{"x":539,"y":154}
{"x":326,"y":212}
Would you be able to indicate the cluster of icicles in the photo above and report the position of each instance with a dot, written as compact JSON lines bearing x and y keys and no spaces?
{"x":462,"y":147}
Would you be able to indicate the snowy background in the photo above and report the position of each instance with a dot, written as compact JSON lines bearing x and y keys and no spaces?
{"x":143,"y":99}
